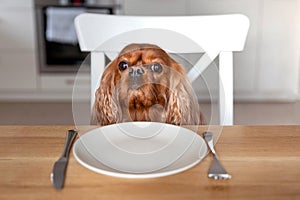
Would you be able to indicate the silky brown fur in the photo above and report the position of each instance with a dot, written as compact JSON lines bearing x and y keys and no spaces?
{"x":162,"y":97}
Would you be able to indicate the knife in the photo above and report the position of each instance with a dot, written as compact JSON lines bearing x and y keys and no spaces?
{"x":60,"y":166}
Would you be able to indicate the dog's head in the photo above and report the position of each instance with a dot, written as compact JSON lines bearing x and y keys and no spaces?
{"x":145,"y":84}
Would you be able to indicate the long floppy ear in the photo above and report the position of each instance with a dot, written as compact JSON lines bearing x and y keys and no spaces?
{"x":106,"y":109}
{"x":182,"y":108}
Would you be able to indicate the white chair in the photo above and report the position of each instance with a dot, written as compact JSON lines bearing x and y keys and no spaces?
{"x":213,"y":35}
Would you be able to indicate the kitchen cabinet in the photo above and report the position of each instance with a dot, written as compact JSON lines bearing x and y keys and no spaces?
{"x":17,"y":46}
{"x":18,"y":71}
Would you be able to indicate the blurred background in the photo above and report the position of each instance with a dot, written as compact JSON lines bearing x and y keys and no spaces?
{"x":39,"y":57}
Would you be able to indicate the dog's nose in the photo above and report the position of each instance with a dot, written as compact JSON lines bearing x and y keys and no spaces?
{"x":136,"y":71}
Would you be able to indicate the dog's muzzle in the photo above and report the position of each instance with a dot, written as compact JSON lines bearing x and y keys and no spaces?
{"x":136,"y":72}
{"x":135,"y":77}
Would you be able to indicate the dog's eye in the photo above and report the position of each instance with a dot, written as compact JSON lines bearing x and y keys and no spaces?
{"x":156,"y":67}
{"x":123,"y":65}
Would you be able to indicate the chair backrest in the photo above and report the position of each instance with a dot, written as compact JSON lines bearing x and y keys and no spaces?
{"x":212,"y":35}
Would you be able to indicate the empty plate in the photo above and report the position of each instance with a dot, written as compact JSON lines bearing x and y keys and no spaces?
{"x":139,"y":149}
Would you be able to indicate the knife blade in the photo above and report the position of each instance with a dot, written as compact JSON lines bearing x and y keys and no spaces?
{"x":60,"y":166}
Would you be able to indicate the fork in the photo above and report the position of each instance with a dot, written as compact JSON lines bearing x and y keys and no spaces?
{"x":216,"y":170}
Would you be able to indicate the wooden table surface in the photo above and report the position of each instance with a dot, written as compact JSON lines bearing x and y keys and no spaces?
{"x":263,"y":160}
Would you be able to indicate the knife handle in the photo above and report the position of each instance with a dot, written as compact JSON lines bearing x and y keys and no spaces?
{"x":71,"y":134}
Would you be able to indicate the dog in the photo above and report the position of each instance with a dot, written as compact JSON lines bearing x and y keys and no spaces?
{"x":145,"y":84}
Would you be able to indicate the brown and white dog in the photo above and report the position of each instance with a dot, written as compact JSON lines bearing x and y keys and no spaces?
{"x":145,"y":84}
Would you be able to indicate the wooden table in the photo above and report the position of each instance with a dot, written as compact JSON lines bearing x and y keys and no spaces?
{"x":263,"y":160}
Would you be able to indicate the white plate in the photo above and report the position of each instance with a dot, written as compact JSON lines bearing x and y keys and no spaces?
{"x":139,"y":149}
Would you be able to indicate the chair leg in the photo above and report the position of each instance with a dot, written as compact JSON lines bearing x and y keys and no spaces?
{"x":226,"y":88}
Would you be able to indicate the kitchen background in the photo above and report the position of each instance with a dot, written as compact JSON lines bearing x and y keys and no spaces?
{"x":266,"y":73}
